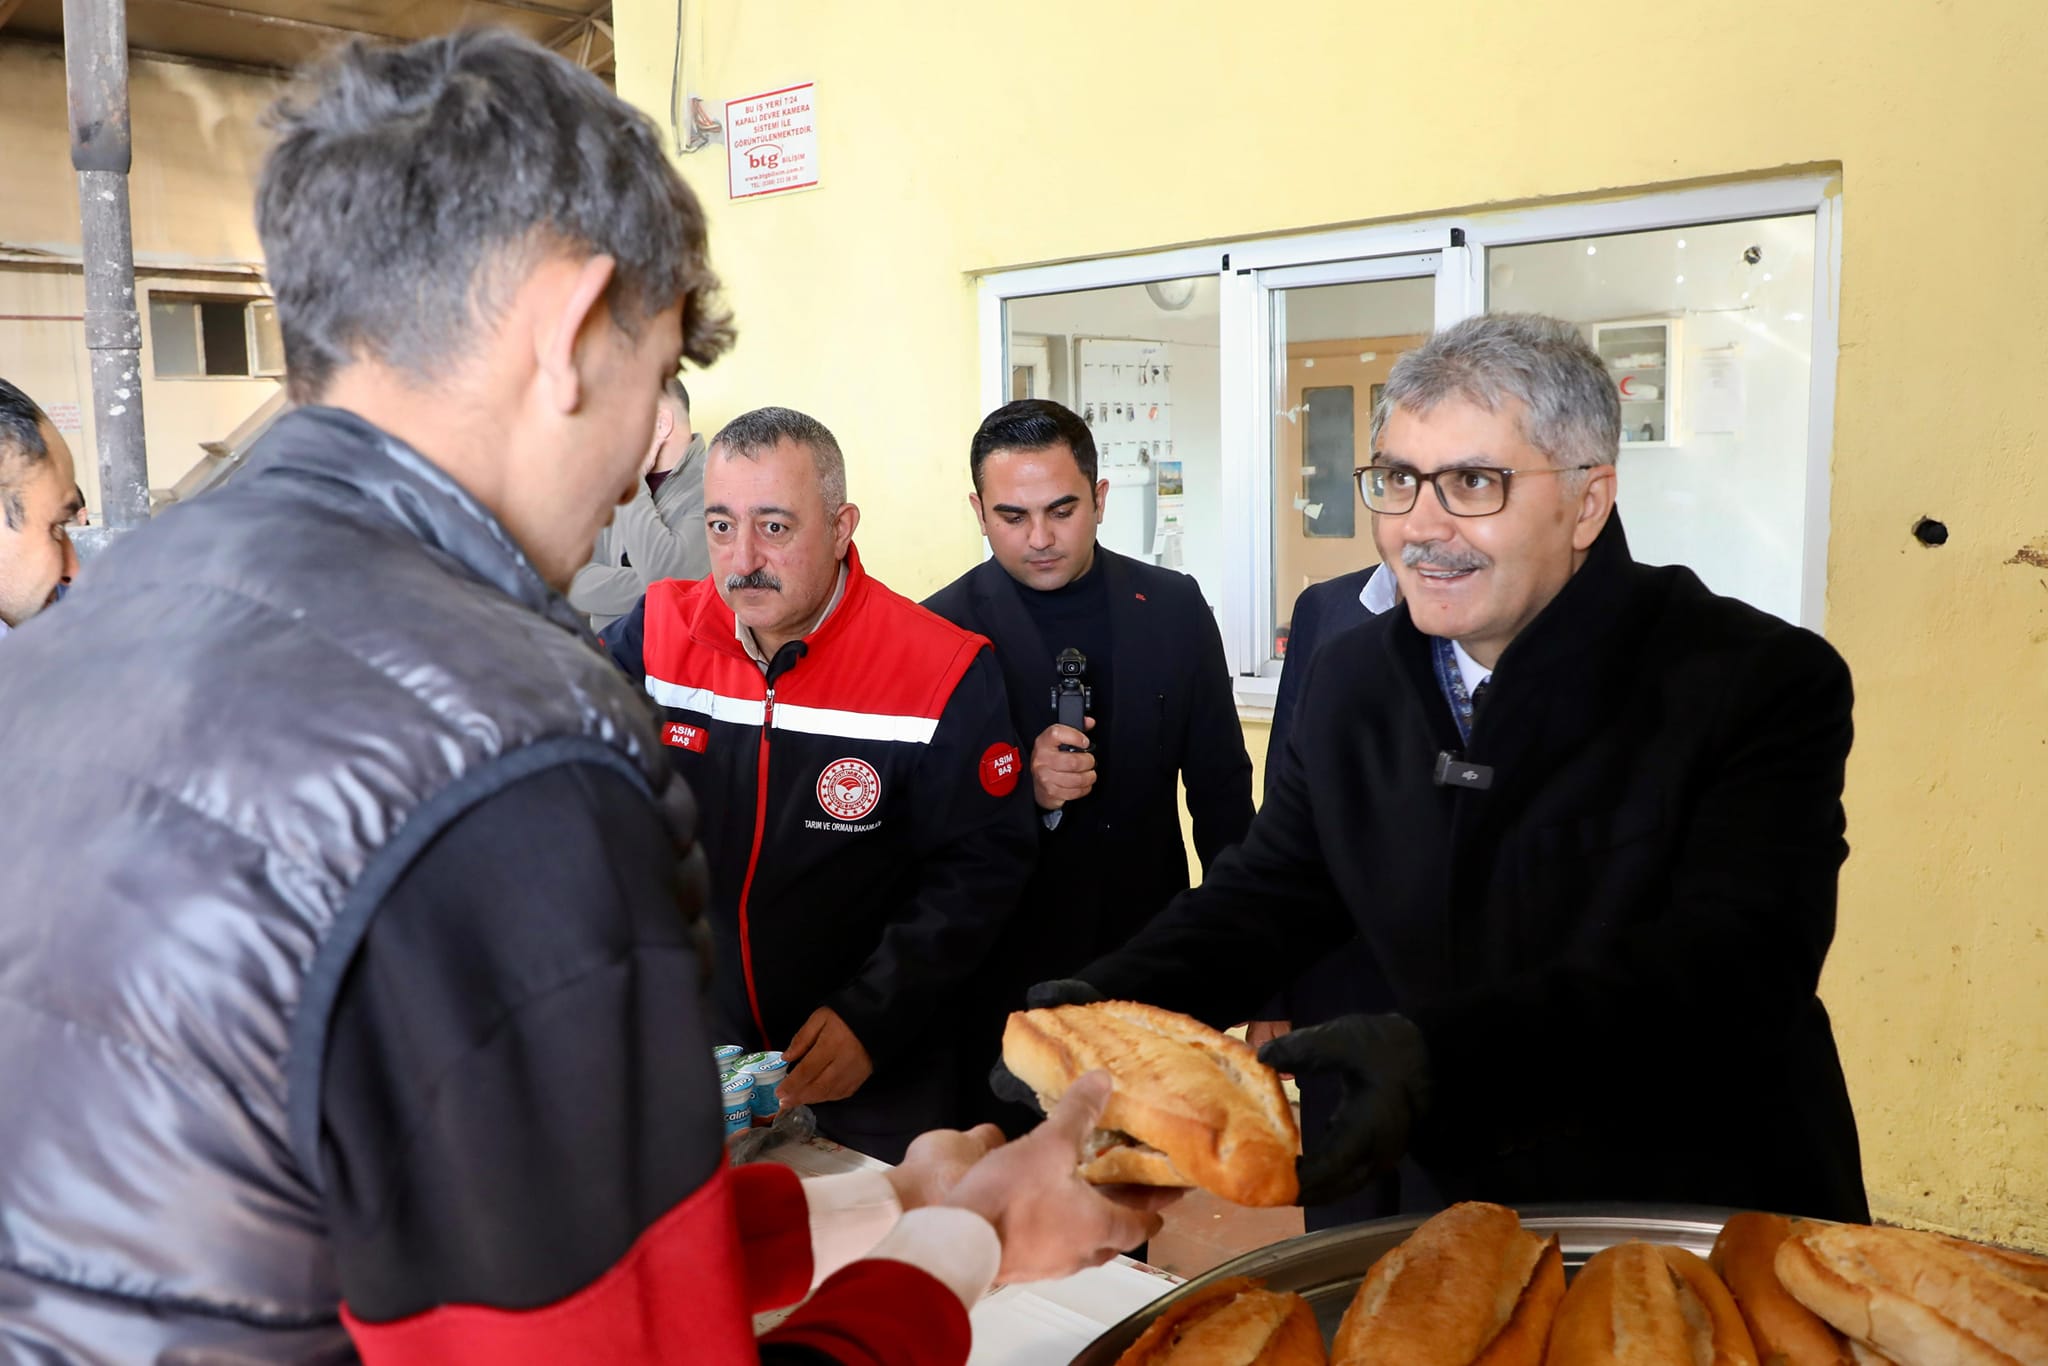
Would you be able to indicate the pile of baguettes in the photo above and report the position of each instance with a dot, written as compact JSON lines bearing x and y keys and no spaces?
{"x":1472,"y":1287}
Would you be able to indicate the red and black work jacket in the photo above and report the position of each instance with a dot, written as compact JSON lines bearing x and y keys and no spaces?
{"x":862,"y":805}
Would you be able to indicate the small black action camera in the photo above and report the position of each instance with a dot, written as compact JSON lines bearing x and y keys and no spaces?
{"x":1072,"y":698}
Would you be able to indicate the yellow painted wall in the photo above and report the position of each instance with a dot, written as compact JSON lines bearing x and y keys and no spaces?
{"x":959,"y":138}
{"x":198,"y":149}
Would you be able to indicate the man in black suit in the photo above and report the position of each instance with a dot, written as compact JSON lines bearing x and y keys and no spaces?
{"x":1585,"y":814}
{"x":1324,"y":610}
{"x":1110,"y":850}
{"x":1349,"y":980}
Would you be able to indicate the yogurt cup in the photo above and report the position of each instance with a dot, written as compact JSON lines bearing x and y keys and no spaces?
{"x":724,"y":1055}
{"x":767,"y":1070}
{"x":737,"y":1096}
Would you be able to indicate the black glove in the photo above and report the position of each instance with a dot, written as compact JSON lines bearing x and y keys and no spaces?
{"x":1385,"y":1070}
{"x":1061,"y":991}
{"x":1064,"y":991}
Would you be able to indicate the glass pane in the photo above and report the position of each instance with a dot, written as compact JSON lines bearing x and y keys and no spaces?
{"x":1706,"y":333}
{"x":1140,"y":364}
{"x":1330,"y":435}
{"x":269,"y":341}
{"x":1339,"y":342}
{"x":174,"y":338}
{"x":225,"y":327}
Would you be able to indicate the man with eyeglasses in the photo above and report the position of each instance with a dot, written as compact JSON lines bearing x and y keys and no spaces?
{"x":1584,"y":814}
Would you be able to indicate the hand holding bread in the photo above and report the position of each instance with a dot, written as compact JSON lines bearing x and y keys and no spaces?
{"x":1385,"y":1071}
{"x":1470,"y":1287}
{"x":1191,"y":1105}
{"x":1051,"y":1223}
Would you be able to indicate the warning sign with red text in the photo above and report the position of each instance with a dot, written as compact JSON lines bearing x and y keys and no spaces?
{"x":772,"y":142}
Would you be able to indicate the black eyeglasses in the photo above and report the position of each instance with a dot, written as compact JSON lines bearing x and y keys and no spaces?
{"x":1467,"y":491}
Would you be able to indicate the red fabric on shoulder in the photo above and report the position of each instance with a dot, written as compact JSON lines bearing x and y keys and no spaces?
{"x":881,"y":1313}
{"x":775,"y":1234}
{"x":679,"y":1295}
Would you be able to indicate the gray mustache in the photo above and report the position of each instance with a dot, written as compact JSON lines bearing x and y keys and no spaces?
{"x":1433,"y":556}
{"x":760,"y":578}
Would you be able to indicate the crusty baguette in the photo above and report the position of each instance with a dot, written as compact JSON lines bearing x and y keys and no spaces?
{"x":1863,"y":1356}
{"x":1636,"y":1304}
{"x":1731,"y":1343}
{"x":1124,"y":1165}
{"x":1236,"y":1322}
{"x":1193,"y":1093}
{"x":2023,"y":1267}
{"x":1523,"y":1341}
{"x":1915,"y":1297}
{"x":1784,"y":1331}
{"x":1469,"y":1281}
{"x":1298,"y":1341}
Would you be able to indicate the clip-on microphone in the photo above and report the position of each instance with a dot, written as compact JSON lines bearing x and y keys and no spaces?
{"x":1453,"y":770}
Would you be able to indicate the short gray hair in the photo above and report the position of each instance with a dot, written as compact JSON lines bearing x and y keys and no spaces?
{"x":763,"y":429}
{"x":1571,"y":410}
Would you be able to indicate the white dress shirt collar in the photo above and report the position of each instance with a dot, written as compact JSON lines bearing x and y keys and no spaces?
{"x":1471,"y":670}
{"x":1380,"y":592}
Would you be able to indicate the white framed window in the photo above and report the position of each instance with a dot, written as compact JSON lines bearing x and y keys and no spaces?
{"x":1715,"y":307}
{"x":1030,"y":367}
{"x":214,"y":336}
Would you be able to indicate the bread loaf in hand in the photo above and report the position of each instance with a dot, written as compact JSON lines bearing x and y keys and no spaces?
{"x":1192,"y":1106}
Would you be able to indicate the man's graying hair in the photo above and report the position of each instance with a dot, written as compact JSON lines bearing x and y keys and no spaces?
{"x":1570,"y":408}
{"x":22,"y":448}
{"x":412,"y":188}
{"x":749,"y":435}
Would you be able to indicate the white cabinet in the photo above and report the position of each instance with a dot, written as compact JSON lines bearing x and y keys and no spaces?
{"x":1644,"y":358}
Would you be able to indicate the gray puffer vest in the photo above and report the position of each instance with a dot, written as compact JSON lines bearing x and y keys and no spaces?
{"x":218,"y":756}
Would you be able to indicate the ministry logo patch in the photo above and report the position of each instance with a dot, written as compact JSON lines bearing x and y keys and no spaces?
{"x":849,"y":789}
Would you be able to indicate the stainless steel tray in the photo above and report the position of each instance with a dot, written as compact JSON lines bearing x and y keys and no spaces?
{"x":1326,"y":1268}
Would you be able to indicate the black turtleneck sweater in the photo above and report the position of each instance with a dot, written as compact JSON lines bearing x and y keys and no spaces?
{"x":1077,"y":615}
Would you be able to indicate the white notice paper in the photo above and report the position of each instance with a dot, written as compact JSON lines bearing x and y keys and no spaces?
{"x":1722,"y":402}
{"x":772,"y":142}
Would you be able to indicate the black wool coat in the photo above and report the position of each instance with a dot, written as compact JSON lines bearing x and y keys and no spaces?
{"x":1174,"y":719}
{"x":1613,"y":951}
